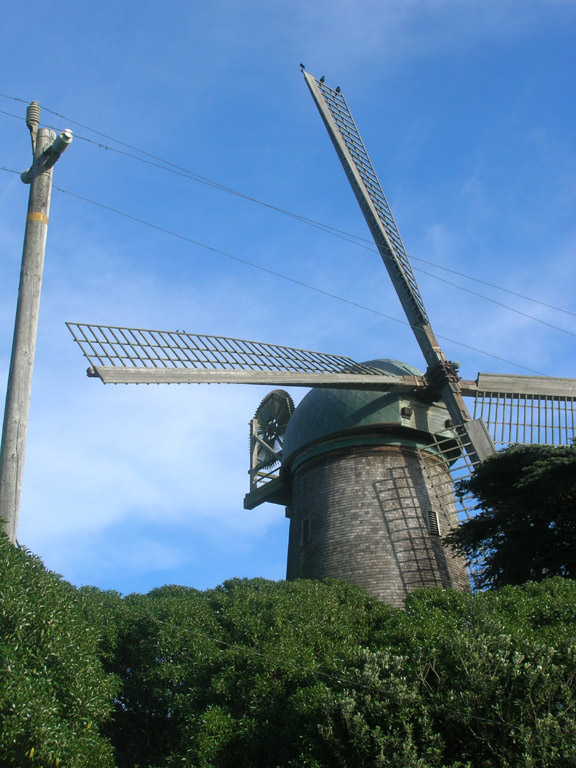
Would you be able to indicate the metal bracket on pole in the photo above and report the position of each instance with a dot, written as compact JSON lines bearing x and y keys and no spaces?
{"x":49,"y":157}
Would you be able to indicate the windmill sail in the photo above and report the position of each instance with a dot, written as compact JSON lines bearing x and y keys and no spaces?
{"x":139,"y":356}
{"x":541,"y":419}
{"x":526,"y":409}
{"x":370,"y":196}
{"x":514,"y":408}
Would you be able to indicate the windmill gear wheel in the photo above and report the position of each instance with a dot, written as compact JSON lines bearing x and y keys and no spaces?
{"x":272,"y":417}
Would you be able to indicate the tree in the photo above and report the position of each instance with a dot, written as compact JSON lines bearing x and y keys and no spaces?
{"x":496,"y":670}
{"x":54,"y":694}
{"x":526,"y":527}
{"x":229,"y":676}
{"x":284,"y":675}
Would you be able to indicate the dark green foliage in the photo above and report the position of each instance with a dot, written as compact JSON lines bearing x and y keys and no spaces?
{"x":526,"y":527}
{"x":54,"y":694}
{"x":227,"y":672}
{"x":256,"y":674}
{"x":497,"y":671}
{"x":318,"y":674}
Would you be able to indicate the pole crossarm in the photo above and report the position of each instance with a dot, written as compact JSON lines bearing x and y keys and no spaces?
{"x":135,"y":355}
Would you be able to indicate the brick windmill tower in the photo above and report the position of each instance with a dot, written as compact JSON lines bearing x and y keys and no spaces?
{"x":364,"y":465}
{"x":365,"y":483}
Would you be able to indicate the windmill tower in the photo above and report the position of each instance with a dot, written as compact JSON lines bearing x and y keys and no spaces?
{"x":367,"y":491}
{"x":365,"y":464}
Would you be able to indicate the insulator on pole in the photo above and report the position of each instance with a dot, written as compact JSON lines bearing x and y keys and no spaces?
{"x":62,"y":141}
{"x":33,"y":115}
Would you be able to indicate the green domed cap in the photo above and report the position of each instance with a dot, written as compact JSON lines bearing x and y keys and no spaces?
{"x":330,"y":418}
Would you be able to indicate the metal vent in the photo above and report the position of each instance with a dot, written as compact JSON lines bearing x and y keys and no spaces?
{"x":433,"y":522}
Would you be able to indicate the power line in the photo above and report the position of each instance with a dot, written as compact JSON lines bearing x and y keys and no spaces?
{"x":10,"y":114}
{"x":356,"y":240}
{"x":500,"y":304}
{"x":293,"y":280}
{"x":339,"y":233}
{"x":280,"y":275}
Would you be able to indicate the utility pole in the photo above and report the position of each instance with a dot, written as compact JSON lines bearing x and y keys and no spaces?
{"x":46,"y":148}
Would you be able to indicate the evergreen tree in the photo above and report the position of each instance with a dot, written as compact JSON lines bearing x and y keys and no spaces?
{"x":526,"y":526}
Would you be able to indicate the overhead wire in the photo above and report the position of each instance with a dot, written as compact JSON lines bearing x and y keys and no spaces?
{"x":280,"y":275}
{"x":360,"y":242}
{"x":289,"y":279}
{"x":10,"y":114}
{"x":354,"y":239}
{"x":357,"y":240}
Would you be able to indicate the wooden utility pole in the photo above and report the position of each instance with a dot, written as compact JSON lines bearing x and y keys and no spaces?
{"x":47,"y":148}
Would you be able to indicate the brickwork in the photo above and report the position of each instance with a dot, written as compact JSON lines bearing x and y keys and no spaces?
{"x":367,"y":515}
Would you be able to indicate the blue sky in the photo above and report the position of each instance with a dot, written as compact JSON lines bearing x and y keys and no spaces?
{"x":467,"y":110}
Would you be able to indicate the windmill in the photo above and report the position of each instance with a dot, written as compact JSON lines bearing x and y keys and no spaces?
{"x":365,"y":464}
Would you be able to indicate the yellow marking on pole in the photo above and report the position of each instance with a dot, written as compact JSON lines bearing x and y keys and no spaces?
{"x":37,"y":216}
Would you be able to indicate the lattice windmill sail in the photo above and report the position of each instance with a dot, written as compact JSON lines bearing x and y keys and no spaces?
{"x":410,"y":427}
{"x":138,"y":356}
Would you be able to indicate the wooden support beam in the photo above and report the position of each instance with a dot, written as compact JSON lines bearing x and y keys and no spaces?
{"x":512,"y":384}
{"x":133,"y":375}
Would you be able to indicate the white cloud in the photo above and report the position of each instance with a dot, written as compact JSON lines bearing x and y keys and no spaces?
{"x":344,"y":34}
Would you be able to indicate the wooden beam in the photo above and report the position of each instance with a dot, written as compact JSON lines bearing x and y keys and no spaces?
{"x":378,"y":383}
{"x":274,"y":492}
{"x":513,"y":384}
